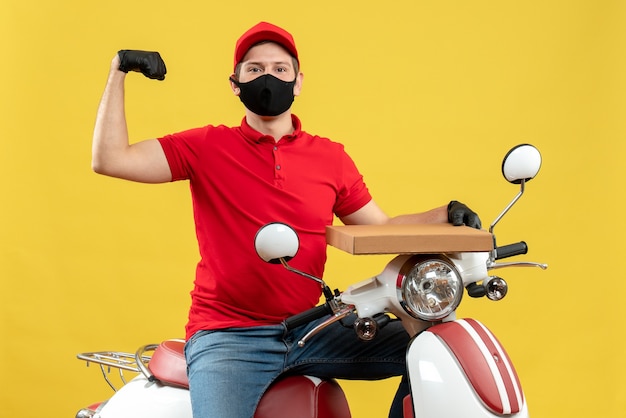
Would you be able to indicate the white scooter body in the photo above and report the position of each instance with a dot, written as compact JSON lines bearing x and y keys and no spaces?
{"x":142,"y":398}
{"x":456,"y":367}
{"x":459,"y":369}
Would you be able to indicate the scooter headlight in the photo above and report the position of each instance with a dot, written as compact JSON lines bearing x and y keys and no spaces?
{"x":429,"y":288}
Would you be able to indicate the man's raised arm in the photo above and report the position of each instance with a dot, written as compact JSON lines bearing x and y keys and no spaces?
{"x":112,"y":153}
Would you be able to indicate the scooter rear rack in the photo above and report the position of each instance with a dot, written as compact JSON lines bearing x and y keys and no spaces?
{"x":119,"y":360}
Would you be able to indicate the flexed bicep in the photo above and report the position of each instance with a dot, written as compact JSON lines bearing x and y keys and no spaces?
{"x":112,"y":154}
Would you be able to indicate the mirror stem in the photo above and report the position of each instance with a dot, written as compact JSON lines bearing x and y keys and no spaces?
{"x":301,"y":273}
{"x":515,"y":199}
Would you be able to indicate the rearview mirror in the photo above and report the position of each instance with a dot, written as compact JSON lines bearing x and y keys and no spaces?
{"x":275,"y":241}
{"x":521,"y":163}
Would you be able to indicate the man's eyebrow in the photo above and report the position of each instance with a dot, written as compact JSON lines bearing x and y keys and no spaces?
{"x":261,"y":63}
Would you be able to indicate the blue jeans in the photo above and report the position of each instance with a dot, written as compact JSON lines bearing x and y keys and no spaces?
{"x":230,"y":369}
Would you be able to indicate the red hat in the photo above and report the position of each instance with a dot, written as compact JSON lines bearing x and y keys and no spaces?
{"x":264,"y":31}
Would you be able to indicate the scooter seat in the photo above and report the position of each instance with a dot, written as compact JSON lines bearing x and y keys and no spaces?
{"x":288,"y":397}
{"x":168,"y":363}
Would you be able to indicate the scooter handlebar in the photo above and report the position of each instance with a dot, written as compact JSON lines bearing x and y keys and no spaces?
{"x":308,"y":316}
{"x":511,"y":250}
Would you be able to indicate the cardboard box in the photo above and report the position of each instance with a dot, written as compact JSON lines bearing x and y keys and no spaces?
{"x":408,"y":238}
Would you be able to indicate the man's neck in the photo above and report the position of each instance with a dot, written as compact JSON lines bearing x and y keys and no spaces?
{"x":275,"y":126}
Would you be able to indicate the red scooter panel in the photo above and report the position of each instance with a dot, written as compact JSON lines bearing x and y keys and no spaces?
{"x":485,"y":363}
{"x":303,"y":396}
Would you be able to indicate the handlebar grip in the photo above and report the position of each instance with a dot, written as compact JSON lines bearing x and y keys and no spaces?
{"x":511,"y":249}
{"x":307,"y":316}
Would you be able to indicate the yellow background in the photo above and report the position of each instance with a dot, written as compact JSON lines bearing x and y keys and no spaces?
{"x":427,"y":96}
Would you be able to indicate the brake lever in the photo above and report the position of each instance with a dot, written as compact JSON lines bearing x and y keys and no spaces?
{"x":339,"y":315}
{"x":494,"y":266}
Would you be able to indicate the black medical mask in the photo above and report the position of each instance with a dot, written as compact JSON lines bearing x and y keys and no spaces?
{"x":266,"y":95}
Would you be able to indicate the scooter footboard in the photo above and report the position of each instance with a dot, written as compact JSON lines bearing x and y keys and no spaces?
{"x":459,"y":368}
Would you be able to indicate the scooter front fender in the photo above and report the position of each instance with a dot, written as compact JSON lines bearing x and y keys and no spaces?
{"x":459,"y":368}
{"x":140,"y":398}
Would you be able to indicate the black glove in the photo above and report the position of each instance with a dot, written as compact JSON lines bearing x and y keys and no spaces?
{"x":459,"y":214}
{"x":148,"y":63}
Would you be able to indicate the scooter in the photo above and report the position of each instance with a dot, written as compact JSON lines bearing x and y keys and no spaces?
{"x":456,"y":367}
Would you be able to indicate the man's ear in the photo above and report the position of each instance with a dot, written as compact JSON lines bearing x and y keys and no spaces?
{"x":297,"y":88}
{"x":233,"y":86}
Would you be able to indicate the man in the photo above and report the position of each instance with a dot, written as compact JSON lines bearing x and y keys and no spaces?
{"x":268,"y":169}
